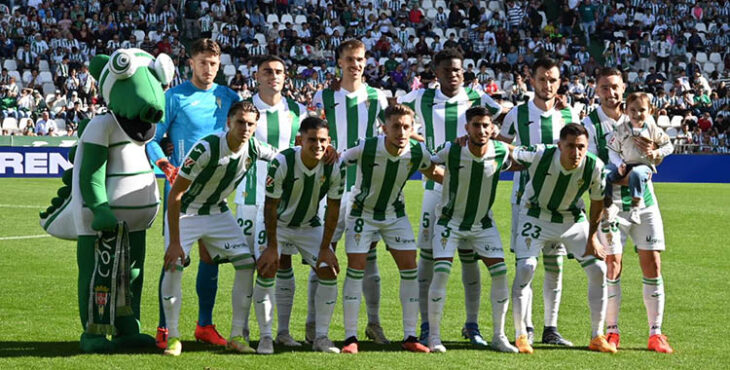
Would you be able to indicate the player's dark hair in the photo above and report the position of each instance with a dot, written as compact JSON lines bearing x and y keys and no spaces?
{"x":544,"y":63}
{"x":245,"y":106}
{"x":398,"y":110}
{"x":608,"y":72}
{"x":204,"y":45}
{"x":271,"y":58}
{"x":312,"y":123}
{"x":573,"y":129}
{"x":478,"y":111}
{"x":446,"y":55}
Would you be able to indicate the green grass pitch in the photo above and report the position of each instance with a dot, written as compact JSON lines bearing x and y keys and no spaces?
{"x":39,"y":325}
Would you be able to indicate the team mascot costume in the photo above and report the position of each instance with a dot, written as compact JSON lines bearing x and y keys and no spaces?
{"x":110,"y":198}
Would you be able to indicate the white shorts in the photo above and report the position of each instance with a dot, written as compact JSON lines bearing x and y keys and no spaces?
{"x":486,"y":243}
{"x":535,"y":234}
{"x":251,"y":221}
{"x":647,"y":236}
{"x":552,"y":249}
{"x":221,"y":236}
{"x":429,"y":206}
{"x":304,"y":240}
{"x":360,"y":232}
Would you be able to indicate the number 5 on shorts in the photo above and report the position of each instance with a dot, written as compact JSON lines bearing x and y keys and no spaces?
{"x":535,"y":230}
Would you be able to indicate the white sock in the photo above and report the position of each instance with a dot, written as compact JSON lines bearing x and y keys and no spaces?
{"x":351,"y":296}
{"x":552,"y":288}
{"x":409,"y":301}
{"x":527,"y":316}
{"x":264,"y":303}
{"x":325,"y":301}
{"x":371,"y":287}
{"x":437,"y":297}
{"x":425,"y":274}
{"x":241,"y":299}
{"x":613,"y":305}
{"x":472,"y":281}
{"x":499,"y":296}
{"x":524,"y":271}
{"x":285,"y":288}
{"x":172,"y":299}
{"x":596,"y":272}
{"x":313,"y":283}
{"x":654,"y":302}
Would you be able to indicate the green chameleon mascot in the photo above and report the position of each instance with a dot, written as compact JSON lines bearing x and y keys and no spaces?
{"x":110,"y":198}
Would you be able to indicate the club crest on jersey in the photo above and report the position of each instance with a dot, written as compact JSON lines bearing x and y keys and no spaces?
{"x":249,"y":161}
{"x":581,"y":182}
{"x":322,"y":180}
{"x":101,"y":297}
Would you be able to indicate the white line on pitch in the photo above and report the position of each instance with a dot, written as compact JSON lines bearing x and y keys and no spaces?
{"x":19,"y":206}
{"x":24,"y":237}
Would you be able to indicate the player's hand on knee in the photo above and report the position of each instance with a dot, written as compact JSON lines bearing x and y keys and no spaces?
{"x":327,"y":260}
{"x":104,"y":219}
{"x":174,"y":256}
{"x":268,"y":262}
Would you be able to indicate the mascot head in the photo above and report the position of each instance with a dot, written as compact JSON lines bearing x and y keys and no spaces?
{"x":131,"y":83}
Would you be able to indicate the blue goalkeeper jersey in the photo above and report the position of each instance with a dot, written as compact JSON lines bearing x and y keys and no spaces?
{"x":191,"y":114}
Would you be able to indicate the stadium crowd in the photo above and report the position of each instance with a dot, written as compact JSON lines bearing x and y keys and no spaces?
{"x":676,"y":51}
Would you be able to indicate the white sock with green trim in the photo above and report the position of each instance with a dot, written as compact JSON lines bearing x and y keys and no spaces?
{"x":264,"y":302}
{"x":351,"y":296}
{"x":171,"y":291}
{"x":654,"y":302}
{"x":613,"y":305}
{"x":596,"y":272}
{"x":437,"y":297}
{"x":409,"y":301}
{"x":313,"y":283}
{"x":325,"y":301}
{"x":471,"y":278}
{"x":285,"y":288}
{"x":371,"y":287}
{"x":552,"y":288}
{"x":241,"y":299}
{"x":425,"y":275}
{"x":524,"y":272}
{"x":499,"y":296}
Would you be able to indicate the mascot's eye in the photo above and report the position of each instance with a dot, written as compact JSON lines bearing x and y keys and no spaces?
{"x":122,"y":65}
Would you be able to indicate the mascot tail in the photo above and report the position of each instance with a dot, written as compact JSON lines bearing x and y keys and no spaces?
{"x":58,"y":219}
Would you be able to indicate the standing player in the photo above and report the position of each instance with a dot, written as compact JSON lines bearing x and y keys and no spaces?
{"x":211,"y":171}
{"x":538,"y":121}
{"x":194,"y":109}
{"x":352,"y":112}
{"x":553,"y":212}
{"x":298,"y":179}
{"x":376,"y":210}
{"x":277,"y":126}
{"x":442,"y":115}
{"x":603,"y":121}
{"x":465,"y":221}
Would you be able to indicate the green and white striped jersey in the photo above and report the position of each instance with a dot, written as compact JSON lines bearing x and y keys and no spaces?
{"x":470,"y":184}
{"x":381,"y":177}
{"x":600,"y":127}
{"x":352,"y":116}
{"x":441,"y":119}
{"x":301,"y":189}
{"x":277,"y":126}
{"x":553,"y":193}
{"x":216,"y":172}
{"x":526,"y":124}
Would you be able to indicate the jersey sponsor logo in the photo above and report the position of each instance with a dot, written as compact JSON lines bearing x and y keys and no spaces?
{"x":651,"y":239}
{"x":248,"y":164}
{"x":502,"y":300}
{"x":228,"y":246}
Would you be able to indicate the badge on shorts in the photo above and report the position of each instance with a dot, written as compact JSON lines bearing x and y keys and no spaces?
{"x":528,"y":242}
{"x":443,"y":242}
{"x":357,"y":238}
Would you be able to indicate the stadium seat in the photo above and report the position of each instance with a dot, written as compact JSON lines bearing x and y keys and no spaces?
{"x":507,"y":85}
{"x":382,"y":61}
{"x":48,"y":88}
{"x":431,"y":13}
{"x":46,"y":77}
{"x":49,"y":97}
{"x":261,"y":38}
{"x":701,"y":27}
{"x":495,"y":6}
{"x":449,"y":31}
{"x":468,"y":62}
{"x":299,"y":19}
{"x":429,"y":41}
{"x":226,"y":59}
{"x":663,"y":122}
{"x":272,"y":18}
{"x":11,"y":124}
{"x":287,"y":18}
{"x":716,"y":58}
{"x":632,"y":76}
{"x":440,"y":3}
{"x":18,"y":80}
{"x":10,"y":64}
{"x":676,"y":121}
{"x":427,"y":4}
{"x":701,"y":57}
{"x":411,"y":31}
{"x":544,"y":19}
{"x":154,"y":36}
{"x":43,"y":66}
{"x":671,"y":132}
{"x":412,"y":60}
{"x":439,"y":32}
{"x":388,"y":93}
{"x":709,"y":67}
{"x":229,"y":70}
{"x":400,"y":92}
{"x":139,"y":34}
{"x":301,"y":69}
{"x":619,"y":35}
{"x":26,"y":75}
